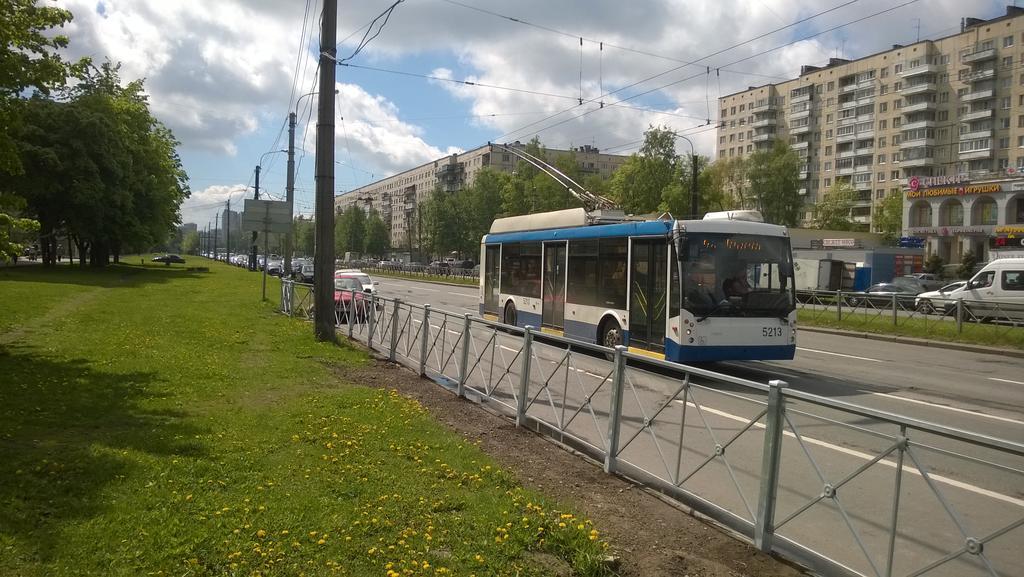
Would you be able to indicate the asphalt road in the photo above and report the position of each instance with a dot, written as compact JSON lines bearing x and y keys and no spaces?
{"x":675,"y":437}
{"x":972,"y":391}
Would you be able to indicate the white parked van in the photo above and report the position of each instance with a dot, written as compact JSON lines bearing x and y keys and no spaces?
{"x":997,"y":291}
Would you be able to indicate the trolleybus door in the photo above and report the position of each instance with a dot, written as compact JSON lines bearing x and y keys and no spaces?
{"x":647,"y":294}
{"x":553,"y":309}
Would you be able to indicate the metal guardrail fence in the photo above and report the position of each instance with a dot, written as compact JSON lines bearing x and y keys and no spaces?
{"x":930,"y":316}
{"x":422,"y":270}
{"x":839,"y":488}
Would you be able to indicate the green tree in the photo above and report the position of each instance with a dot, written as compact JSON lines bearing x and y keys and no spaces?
{"x":304,"y":233}
{"x":639,"y":185}
{"x":341,"y":245}
{"x":378,"y":237}
{"x":676,"y":196}
{"x":773,"y":183}
{"x":888,"y":217}
{"x":99,"y":166}
{"x":933,"y":264}
{"x":190,"y":243}
{"x":12,"y":229}
{"x":28,"y":60}
{"x":832,"y":212}
{"x":967,"y":263}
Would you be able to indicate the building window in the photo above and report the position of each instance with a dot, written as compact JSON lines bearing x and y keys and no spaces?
{"x":721,"y":139}
{"x":943,"y":115}
{"x":1004,"y":142}
{"x":1020,"y":121}
{"x":1007,"y":61}
{"x":883,"y":124}
{"x":881,"y":142}
{"x":732,"y":138}
{"x":883,"y":89}
{"x":743,"y":107}
{"x":828,"y":133}
{"x":1005,"y":82}
{"x":725,"y":112}
{"x":883,"y":107}
{"x":1004,"y":163}
{"x":897,"y":68}
{"x":881,"y":160}
{"x":750,"y":147}
{"x":943,"y":133}
{"x":896,"y":122}
{"x":828,"y":150}
{"x":732,"y":110}
{"x":828,"y":165}
{"x":884,"y":72}
{"x":1020,"y":141}
{"x":828,"y":182}
{"x":894,"y":175}
{"x":831,"y":86}
{"x":828,"y":117}
{"x":1004,"y":103}
{"x":1007,"y":41}
{"x":880,"y":177}
{"x":951,"y":214}
{"x":897,"y":86}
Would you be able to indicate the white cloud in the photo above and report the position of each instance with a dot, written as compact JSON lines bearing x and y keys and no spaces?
{"x":203,"y":205}
{"x":219,"y":72}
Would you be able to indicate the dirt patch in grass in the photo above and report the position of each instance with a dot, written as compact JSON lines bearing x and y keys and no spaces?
{"x":650,"y":536}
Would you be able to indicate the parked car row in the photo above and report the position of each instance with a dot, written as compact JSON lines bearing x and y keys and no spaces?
{"x":996,"y":291}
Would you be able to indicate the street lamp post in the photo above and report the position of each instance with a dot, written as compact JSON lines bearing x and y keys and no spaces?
{"x":694,"y":193}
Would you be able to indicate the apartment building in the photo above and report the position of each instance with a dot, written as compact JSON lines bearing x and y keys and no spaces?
{"x":936,"y":113}
{"x":395,"y":198}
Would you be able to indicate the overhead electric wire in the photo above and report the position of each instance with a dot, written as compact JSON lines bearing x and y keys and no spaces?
{"x":744,"y":59}
{"x":510,"y":89}
{"x":298,"y":54}
{"x":689,"y":63}
{"x":386,"y":15}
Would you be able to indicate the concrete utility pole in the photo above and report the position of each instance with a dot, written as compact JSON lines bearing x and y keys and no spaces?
{"x":323,"y":258}
{"x":290,"y":194}
{"x":253,"y":249}
{"x":227,"y":228}
{"x":216,"y":225}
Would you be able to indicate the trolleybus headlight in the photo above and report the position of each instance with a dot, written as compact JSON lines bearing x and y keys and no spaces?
{"x":689,"y":332}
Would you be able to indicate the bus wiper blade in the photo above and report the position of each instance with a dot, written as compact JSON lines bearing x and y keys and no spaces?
{"x":713,"y":310}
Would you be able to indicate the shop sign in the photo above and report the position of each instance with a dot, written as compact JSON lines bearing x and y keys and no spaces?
{"x":918,"y":182}
{"x":1010,"y":229}
{"x":948,"y":231}
{"x":838,"y":242}
{"x":954,"y":191}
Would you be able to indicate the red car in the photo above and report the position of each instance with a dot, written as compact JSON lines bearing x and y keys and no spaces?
{"x":349,"y":288}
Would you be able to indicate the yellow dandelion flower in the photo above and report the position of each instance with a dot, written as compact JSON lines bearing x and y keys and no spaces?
{"x":261,"y":533}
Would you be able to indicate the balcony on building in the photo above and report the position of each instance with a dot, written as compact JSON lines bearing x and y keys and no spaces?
{"x":805,"y":171}
{"x":916,"y":143}
{"x":802,"y":191}
{"x":852,"y":119}
{"x":976,"y":154}
{"x":923,"y":68}
{"x":917,"y":107}
{"x":862,"y":168}
{"x":976,"y":54}
{"x":865,"y":150}
{"x":919,"y":124}
{"x":977,"y":115}
{"x":977,"y":95}
{"x":980,"y":75}
{"x":800,"y":129}
{"x":764,"y":137}
{"x":847,"y":87}
{"x":802,"y":94}
{"x":847,"y":104}
{"x":919,"y":156}
{"x":767,"y":105}
{"x":798,"y":114}
{"x":800,"y":145}
{"x":861,"y":187}
{"x":919,"y":88}
{"x":845,"y":170}
{"x":762,"y":122}
{"x":846,"y":153}
{"x":976,"y":134}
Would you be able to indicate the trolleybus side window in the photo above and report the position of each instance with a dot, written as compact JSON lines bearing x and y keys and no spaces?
{"x":520,"y":269}
{"x":583,"y":278}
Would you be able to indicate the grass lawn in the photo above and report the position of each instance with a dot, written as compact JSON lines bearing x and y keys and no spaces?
{"x":163,"y":422}
{"x":920,"y":326}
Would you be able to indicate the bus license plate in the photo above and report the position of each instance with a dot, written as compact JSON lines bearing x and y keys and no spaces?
{"x":771,"y":332}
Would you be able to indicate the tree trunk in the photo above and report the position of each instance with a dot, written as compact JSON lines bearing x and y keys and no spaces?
{"x":117,"y":252}
{"x":83,"y":247}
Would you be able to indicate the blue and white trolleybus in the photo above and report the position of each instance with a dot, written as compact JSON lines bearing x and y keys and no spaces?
{"x":720,"y":288}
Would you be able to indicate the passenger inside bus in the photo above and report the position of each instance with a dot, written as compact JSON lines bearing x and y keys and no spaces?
{"x":737,"y":285}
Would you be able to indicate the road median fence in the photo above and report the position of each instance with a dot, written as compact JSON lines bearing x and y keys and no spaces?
{"x":839,"y":488}
{"x":982,"y":322}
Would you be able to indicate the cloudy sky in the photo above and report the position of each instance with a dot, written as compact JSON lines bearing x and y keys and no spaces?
{"x":223,"y":75}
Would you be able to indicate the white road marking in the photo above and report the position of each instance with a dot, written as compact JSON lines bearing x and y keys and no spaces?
{"x":868,"y":457}
{"x":840,"y":355}
{"x":1005,"y":381}
{"x":948,"y":408}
